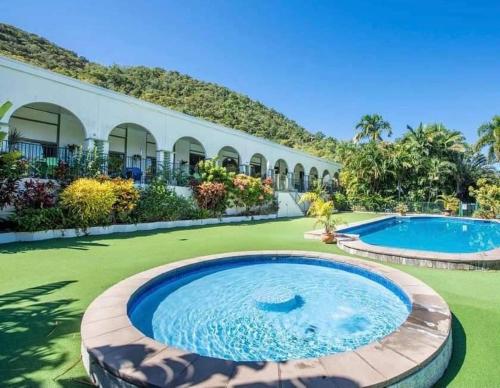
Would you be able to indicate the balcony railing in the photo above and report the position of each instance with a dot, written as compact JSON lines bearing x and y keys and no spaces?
{"x":141,"y":170}
{"x":52,"y":162}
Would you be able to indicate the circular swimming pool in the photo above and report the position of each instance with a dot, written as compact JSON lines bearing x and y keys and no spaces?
{"x":267,"y":318}
{"x":264,"y":309}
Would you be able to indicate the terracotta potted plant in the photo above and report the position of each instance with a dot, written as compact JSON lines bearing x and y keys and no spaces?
{"x":325,"y":217}
{"x":402,"y":208}
{"x":451,"y":204}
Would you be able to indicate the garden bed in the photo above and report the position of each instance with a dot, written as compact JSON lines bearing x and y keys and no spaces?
{"x":10,"y":237}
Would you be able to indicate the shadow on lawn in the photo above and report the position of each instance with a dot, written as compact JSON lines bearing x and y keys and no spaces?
{"x":86,"y":242}
{"x":458,"y":355}
{"x":31,"y":322}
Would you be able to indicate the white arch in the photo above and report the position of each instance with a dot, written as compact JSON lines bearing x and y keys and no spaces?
{"x":189,"y":150}
{"x":261,"y":165}
{"x":230,"y":158}
{"x":48,"y":107}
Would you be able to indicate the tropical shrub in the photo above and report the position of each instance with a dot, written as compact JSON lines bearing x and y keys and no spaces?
{"x":7,"y":192}
{"x":340,"y":202}
{"x":401,"y":208}
{"x":35,"y":194}
{"x":325,"y":217}
{"x":210,"y":171}
{"x":37,"y":219}
{"x":450,"y":203}
{"x":12,"y":168}
{"x":89,"y":202}
{"x":374,"y":202}
{"x":158,"y":203}
{"x":212,"y":197}
{"x":249,"y":192}
{"x":487,"y":195}
{"x":126,"y":196}
{"x":314,"y":198}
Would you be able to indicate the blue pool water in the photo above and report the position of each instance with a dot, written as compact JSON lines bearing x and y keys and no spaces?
{"x":262,"y":309}
{"x":438,"y":234}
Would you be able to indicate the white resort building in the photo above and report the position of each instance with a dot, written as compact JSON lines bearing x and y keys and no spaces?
{"x":54,"y":116}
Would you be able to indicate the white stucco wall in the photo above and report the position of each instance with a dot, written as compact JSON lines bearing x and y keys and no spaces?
{"x":100,"y":110}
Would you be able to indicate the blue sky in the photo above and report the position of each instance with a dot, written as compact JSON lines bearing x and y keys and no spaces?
{"x":321,"y":63}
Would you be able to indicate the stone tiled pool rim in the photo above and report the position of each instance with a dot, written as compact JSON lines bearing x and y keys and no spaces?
{"x":351,"y":243}
{"x":116,"y":353}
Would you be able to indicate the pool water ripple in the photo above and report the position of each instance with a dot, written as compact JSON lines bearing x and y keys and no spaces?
{"x":213,"y":311}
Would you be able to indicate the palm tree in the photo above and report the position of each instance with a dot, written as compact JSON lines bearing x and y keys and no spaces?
{"x":435,"y":139}
{"x":489,"y":136}
{"x":437,"y":171}
{"x":372,"y":127}
{"x":470,"y":167}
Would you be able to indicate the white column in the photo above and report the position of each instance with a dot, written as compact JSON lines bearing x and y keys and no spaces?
{"x":104,"y":147}
{"x":245,"y":168}
{"x":160,"y":157}
{"x":160,"y":162}
{"x":4,"y":129}
{"x":88,"y":144}
{"x":289,"y":182}
{"x":171,"y":166}
{"x":104,"y":154}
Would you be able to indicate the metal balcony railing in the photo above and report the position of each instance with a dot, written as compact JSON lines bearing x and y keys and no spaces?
{"x":52,"y":162}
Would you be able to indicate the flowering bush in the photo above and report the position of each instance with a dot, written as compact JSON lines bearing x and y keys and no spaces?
{"x":212,"y":197}
{"x":249,"y":192}
{"x":89,"y":202}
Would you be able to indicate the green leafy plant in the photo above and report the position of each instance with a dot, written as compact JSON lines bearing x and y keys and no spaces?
{"x":325,"y":216}
{"x":3,"y":110}
{"x":315,"y":198}
{"x":12,"y":169}
{"x":158,"y":203}
{"x":341,"y":202}
{"x":38,"y":219}
{"x":210,"y":171}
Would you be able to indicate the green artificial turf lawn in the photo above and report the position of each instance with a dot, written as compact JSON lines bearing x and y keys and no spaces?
{"x":46,"y":286}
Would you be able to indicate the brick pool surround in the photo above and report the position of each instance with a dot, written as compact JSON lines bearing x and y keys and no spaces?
{"x":116,"y":353}
{"x":351,"y":243}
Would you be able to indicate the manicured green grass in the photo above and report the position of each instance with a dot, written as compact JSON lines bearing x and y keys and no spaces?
{"x":46,"y":286}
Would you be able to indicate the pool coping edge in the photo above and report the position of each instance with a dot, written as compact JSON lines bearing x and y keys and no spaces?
{"x":111,"y":342}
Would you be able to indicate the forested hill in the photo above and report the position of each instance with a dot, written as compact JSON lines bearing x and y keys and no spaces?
{"x":168,"y":88}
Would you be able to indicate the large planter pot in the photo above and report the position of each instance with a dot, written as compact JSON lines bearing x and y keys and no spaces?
{"x":448,"y":212}
{"x":328,"y":238}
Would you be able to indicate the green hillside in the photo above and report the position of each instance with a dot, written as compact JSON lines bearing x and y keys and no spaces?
{"x":168,"y":88}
